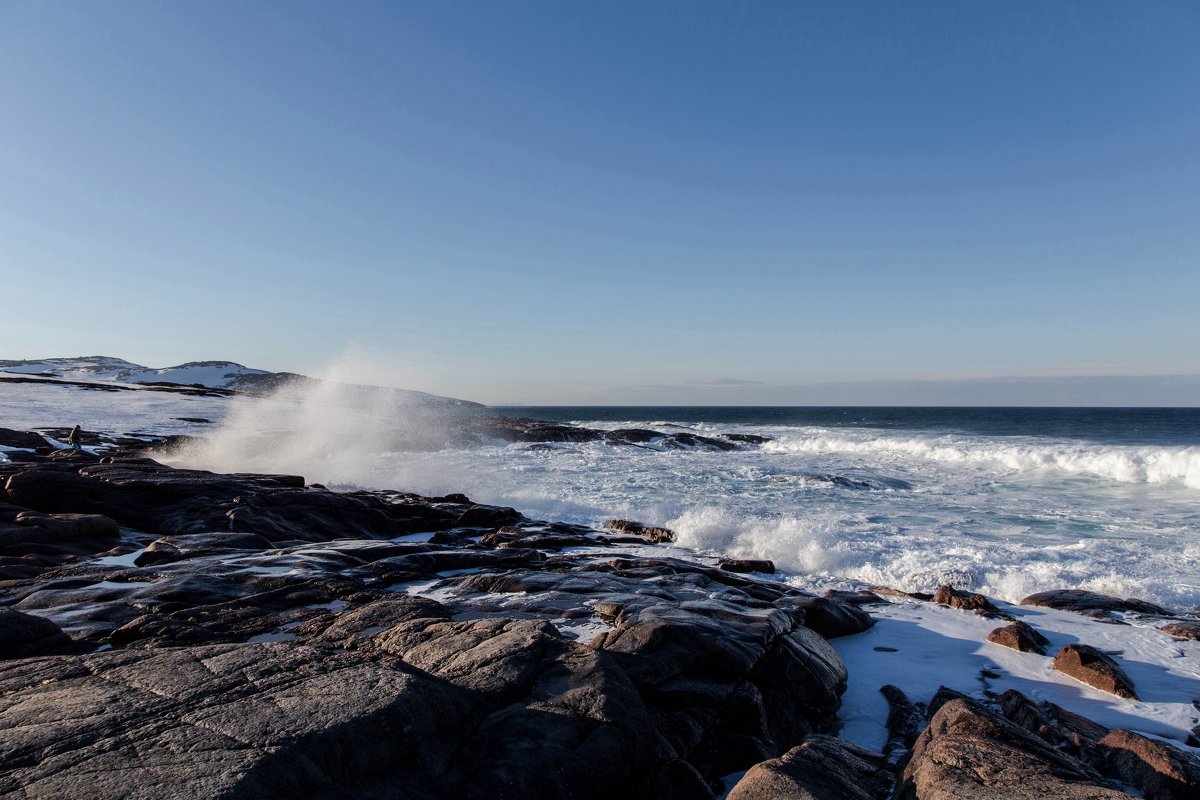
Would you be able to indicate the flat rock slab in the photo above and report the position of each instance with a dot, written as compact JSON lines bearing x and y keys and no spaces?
{"x":222,"y":721}
{"x":1088,"y":665}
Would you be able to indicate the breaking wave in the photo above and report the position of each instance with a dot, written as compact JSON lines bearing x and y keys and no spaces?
{"x":1124,"y":463}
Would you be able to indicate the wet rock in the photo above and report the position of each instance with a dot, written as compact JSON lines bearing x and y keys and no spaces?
{"x":656,"y":535}
{"x":905,"y":721}
{"x":822,"y":768}
{"x":1088,"y":665}
{"x":24,"y":636}
{"x":22,"y":439}
{"x":1020,"y":636}
{"x":747,"y":565}
{"x":966,"y":601}
{"x":832,"y":618}
{"x":170,"y":549}
{"x":1183,"y":629}
{"x":1158,"y":770}
{"x":479,"y":516}
{"x":862,"y":597}
{"x":1081,"y":600}
{"x":970,"y":753}
{"x":746,"y":438}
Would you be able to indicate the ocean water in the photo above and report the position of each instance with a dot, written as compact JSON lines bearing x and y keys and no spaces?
{"x":1002,"y":501}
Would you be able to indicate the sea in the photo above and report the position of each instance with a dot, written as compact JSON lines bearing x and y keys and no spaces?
{"x":1004,"y":501}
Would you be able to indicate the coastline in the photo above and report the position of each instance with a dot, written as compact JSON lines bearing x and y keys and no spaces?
{"x":147,"y":568}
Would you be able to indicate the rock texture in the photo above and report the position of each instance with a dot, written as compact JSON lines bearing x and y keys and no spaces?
{"x":1020,"y":636}
{"x":1088,"y":665}
{"x":178,"y":633}
{"x":1081,"y":600}
{"x":971,"y":753}
{"x":822,"y":768}
{"x":1158,"y":770}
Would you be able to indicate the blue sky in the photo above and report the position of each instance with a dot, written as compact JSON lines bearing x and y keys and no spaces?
{"x":611,"y":202}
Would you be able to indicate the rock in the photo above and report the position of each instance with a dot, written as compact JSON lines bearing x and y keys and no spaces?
{"x":862,"y":597}
{"x":479,"y":516}
{"x":1158,"y":770}
{"x":970,"y":753}
{"x":747,"y":565}
{"x":22,"y":439}
{"x":1088,"y":665}
{"x":822,"y":768}
{"x":966,"y":601}
{"x":170,"y":549}
{"x":656,"y":535}
{"x":1183,"y":629}
{"x":1063,"y":729}
{"x":905,"y":721}
{"x":832,"y":618}
{"x":1080,"y":600}
{"x":746,"y":438}
{"x":235,"y":721}
{"x":24,"y":636}
{"x":1020,"y":636}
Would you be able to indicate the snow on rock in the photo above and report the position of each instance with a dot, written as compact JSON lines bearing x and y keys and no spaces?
{"x":213,"y":374}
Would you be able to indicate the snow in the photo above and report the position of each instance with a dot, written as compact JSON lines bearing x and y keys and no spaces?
{"x":48,"y":404}
{"x":922,"y":646}
{"x":215,"y":374}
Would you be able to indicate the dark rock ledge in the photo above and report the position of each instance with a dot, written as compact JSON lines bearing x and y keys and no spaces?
{"x":183,"y":634}
{"x":178,"y":633}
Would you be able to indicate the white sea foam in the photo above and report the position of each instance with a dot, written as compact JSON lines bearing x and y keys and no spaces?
{"x":1128,"y":464}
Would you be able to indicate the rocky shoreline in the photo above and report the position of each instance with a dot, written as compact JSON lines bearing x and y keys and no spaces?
{"x":179,"y":633}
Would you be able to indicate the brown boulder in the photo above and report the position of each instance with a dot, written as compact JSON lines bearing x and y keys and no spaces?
{"x":1158,"y":770}
{"x":822,"y":768}
{"x":966,"y":601}
{"x":1020,"y":636}
{"x":970,"y":753}
{"x":1088,"y":665}
{"x":1183,"y":629}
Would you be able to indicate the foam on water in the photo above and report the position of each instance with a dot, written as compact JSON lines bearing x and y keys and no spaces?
{"x":844,"y":504}
{"x":1127,"y":464}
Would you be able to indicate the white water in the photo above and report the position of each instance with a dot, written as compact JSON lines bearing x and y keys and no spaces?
{"x":1006,"y":516}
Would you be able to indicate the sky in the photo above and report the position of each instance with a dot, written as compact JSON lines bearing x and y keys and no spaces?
{"x":614,"y":202}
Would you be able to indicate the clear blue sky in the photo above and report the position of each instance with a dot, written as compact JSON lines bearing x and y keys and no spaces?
{"x":607,"y":202}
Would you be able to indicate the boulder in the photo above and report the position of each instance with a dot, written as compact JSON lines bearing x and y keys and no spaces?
{"x":655,"y":535}
{"x":1080,"y":600}
{"x":1088,"y":665}
{"x":24,"y":636}
{"x":1020,"y":636}
{"x":971,"y":753}
{"x":1159,"y":770}
{"x":1183,"y":629}
{"x":822,"y":768}
{"x":833,"y":618}
{"x":1069,"y":732}
{"x":966,"y":601}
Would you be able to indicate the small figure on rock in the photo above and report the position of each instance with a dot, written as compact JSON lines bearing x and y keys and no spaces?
{"x":73,"y":438}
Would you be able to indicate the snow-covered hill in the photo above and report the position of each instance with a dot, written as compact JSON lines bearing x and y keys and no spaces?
{"x":213,"y":374}
{"x":226,"y":375}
